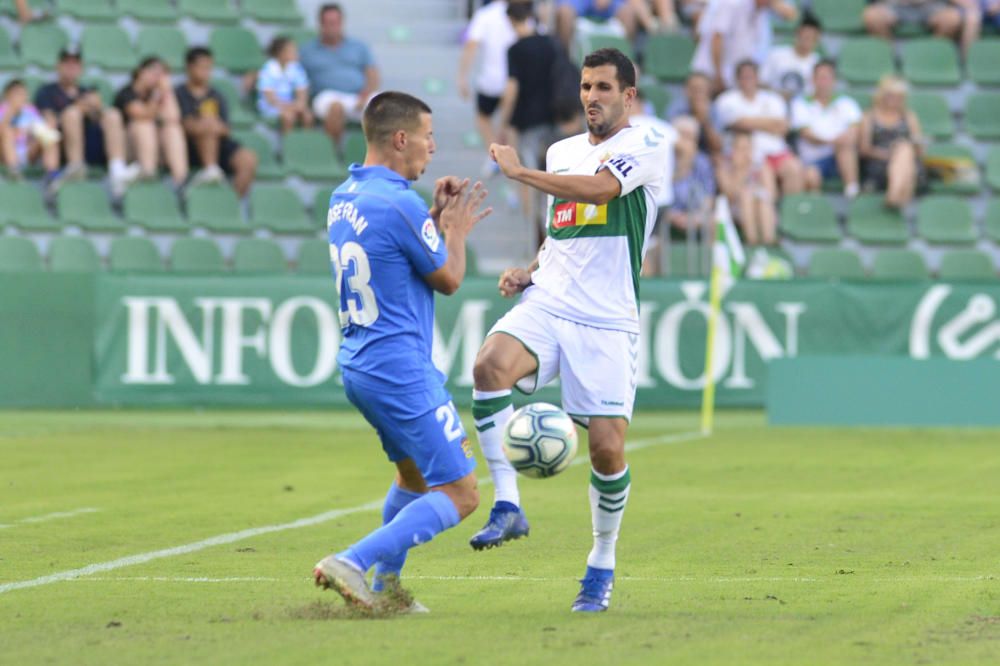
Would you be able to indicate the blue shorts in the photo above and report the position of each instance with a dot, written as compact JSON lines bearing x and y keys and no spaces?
{"x":586,"y":9}
{"x":827,"y":167}
{"x":436,"y":441}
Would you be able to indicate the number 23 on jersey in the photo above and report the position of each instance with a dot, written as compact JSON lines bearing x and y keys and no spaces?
{"x":353,"y":273}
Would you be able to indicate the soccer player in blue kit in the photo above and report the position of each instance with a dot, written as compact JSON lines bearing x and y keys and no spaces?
{"x":389,"y":255}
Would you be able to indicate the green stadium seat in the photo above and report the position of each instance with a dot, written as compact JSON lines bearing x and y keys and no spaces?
{"x":969,"y":186}
{"x":982,"y":62}
{"x":982,"y":114}
{"x":810,"y":218}
{"x":837,"y":264}
{"x":967,"y":265}
{"x":301,"y":36}
{"x":18,"y":255}
{"x":991,"y":223}
{"x":269,"y":11}
{"x":87,"y":205}
{"x":9,"y":59}
{"x":24,"y":208}
{"x":313,"y":258}
{"x":899,"y":265}
{"x":73,"y":254}
{"x":7,"y":7}
{"x":668,"y":57}
{"x":41,"y":42}
{"x":131,"y":254}
{"x":216,"y":208}
{"x":930,"y":62}
{"x":164,"y":41}
{"x":870,"y":221}
{"x":236,"y":49}
{"x":279,"y":209}
{"x":657,"y":95}
{"x":309,"y":154}
{"x":240,"y":115}
{"x":88,"y":11}
{"x":220,"y":12}
{"x":945,"y":219}
{"x":268,"y":167}
{"x":108,"y":47}
{"x":933,"y":112}
{"x":153,"y":206}
{"x":862,"y":97}
{"x":865,"y":60}
{"x":149,"y":11}
{"x":683,"y":264}
{"x":355,"y":147}
{"x":102,"y":85}
{"x":258,"y":255}
{"x":993,"y":168}
{"x":840,"y":15}
{"x":196,"y":256}
{"x":321,"y":206}
{"x":590,"y":43}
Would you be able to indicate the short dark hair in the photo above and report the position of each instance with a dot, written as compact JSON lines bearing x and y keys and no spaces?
{"x":13,"y":83}
{"x":196,"y":53}
{"x":825,"y":62}
{"x":278,"y":45}
{"x":624,"y":67}
{"x":330,"y":7}
{"x":390,"y":112}
{"x":148,"y":61}
{"x":519,"y":11}
{"x":745,"y":63}
{"x":810,"y":20}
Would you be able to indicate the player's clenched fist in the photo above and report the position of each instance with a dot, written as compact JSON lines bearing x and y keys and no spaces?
{"x":506,"y":158}
{"x":514,"y":281}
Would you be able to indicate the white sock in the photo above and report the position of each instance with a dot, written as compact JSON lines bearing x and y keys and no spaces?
{"x":608,"y":495}
{"x":491,"y":411}
{"x":115,"y":167}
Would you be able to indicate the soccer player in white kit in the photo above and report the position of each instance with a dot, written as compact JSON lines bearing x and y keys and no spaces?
{"x":578,"y":316}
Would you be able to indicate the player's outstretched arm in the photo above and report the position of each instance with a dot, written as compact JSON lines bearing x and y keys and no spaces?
{"x":598,"y":189}
{"x":458,"y":217}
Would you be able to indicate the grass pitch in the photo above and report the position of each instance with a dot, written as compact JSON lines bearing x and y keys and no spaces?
{"x":756,"y":546}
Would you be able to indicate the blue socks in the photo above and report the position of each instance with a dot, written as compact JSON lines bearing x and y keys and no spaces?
{"x":395,"y":500}
{"x":418,"y":522}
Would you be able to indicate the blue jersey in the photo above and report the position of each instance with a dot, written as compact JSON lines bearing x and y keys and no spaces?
{"x":383,"y":242}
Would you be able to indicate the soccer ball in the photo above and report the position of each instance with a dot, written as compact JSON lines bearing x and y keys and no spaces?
{"x":540,"y":440}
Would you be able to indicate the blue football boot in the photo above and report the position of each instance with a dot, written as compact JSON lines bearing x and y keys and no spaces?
{"x":595,"y":591}
{"x":506,"y":522}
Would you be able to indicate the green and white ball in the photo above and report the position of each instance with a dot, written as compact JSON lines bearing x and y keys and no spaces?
{"x":540,"y":440}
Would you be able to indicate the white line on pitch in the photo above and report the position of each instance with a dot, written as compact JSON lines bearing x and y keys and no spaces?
{"x":232,"y":537}
{"x":58,"y":515}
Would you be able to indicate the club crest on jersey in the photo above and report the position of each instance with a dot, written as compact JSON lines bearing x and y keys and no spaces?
{"x":572,"y":214}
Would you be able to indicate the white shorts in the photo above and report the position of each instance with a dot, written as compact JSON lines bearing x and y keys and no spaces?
{"x":597,"y":366}
{"x":324,"y":100}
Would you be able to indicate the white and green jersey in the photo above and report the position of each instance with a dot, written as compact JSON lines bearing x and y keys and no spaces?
{"x":588,"y":268}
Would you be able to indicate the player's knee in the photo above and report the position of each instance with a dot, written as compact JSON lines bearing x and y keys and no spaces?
{"x":489,"y":373}
{"x":466,"y":499}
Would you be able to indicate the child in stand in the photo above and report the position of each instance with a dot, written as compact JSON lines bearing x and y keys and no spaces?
{"x":284,"y":87}
{"x":751,"y":190}
{"x":24,"y":135}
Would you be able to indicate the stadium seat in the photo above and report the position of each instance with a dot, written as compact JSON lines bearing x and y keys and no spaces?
{"x":309,"y":154}
{"x":840,"y":15}
{"x":149,"y":11}
{"x":930,"y":62}
{"x":24,"y":208}
{"x":967,"y":265}
{"x":240,"y":115}
{"x":314,"y":258}
{"x":257,"y":255}
{"x":279,"y":209}
{"x":300,"y":35}
{"x":668,"y":56}
{"x":102,"y":85}
{"x":945,"y":219}
{"x":196,"y":256}
{"x":219,"y":12}
{"x":355,"y":147}
{"x":9,"y":59}
{"x":590,"y":43}
{"x":840,"y":264}
{"x":216,"y":208}
{"x":982,"y":62}
{"x":657,"y":95}
{"x":982,"y":115}
{"x":88,"y":11}
{"x":86,"y":204}
{"x":164,"y":41}
{"x":862,"y":97}
{"x":268,"y":167}
{"x":153,"y":206}
{"x":870,"y":221}
{"x":41,"y":42}
{"x":131,"y":254}
{"x":236,"y":49}
{"x":993,"y":168}
{"x":73,"y":254}
{"x":108,"y":47}
{"x":682,"y":263}
{"x":899,"y":265}
{"x":865,"y":60}
{"x":269,"y":11}
{"x":18,"y":255}
{"x":810,"y":218}
{"x":991,"y":223}
{"x":321,"y":206}
{"x":8,"y":8}
{"x":958,"y":186}
{"x":933,"y":112}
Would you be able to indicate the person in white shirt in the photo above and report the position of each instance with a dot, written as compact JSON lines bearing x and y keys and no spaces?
{"x":748,"y":108}
{"x":827,"y":124}
{"x":789,"y":69}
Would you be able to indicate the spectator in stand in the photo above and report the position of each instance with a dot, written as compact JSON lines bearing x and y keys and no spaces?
{"x":25,"y":14}
{"x":205,"y":119}
{"x":25,"y":138}
{"x":691,"y":11}
{"x":342,"y":73}
{"x":153,"y":121}
{"x":568,"y":11}
{"x":827,"y":124}
{"x":751,"y":190}
{"x":789,"y":69}
{"x":92,"y":134}
{"x":283,"y":87}
{"x":950,"y":19}
{"x":491,"y":31}
{"x":731,"y":31}
{"x":639,"y":117}
{"x":655,"y":16}
{"x":748,"y":108}
{"x":694,"y":177}
{"x":892,"y":144}
{"x":697,"y":102}
{"x":991,"y":12}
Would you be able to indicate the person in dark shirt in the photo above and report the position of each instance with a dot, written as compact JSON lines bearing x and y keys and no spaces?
{"x":92,"y":134}
{"x":206,"y":124}
{"x":153,"y":121}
